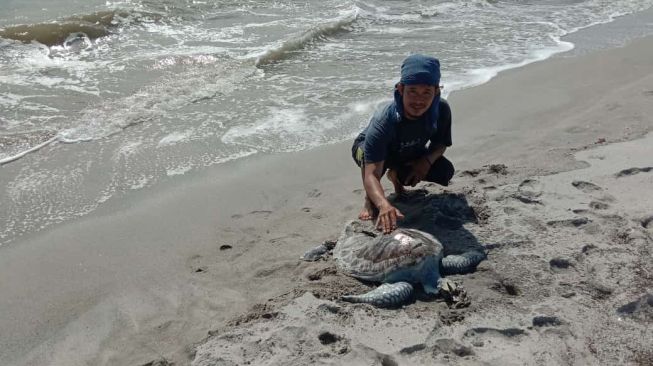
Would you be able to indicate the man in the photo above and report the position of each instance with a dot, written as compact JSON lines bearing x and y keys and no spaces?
{"x":407,"y":137}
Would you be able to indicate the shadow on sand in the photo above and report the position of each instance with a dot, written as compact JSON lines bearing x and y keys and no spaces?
{"x":441,"y":215}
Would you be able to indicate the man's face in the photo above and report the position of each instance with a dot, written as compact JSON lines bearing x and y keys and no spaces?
{"x":417,"y":98}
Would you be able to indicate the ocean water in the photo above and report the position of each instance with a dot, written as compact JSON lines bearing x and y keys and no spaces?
{"x":98,"y":98}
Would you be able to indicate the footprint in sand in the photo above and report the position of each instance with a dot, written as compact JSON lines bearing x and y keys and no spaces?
{"x":450,"y":346}
{"x":641,"y":309}
{"x":271,"y":270}
{"x":284,"y":237}
{"x":387,"y":360}
{"x":613,"y":106}
{"x":328,"y":338}
{"x":586,"y":187}
{"x":159,"y":362}
{"x":560,"y":264}
{"x":497,"y":169}
{"x":547,"y":321}
{"x":479,"y":334}
{"x":451,"y":316}
{"x":314,"y":193}
{"x":316,"y":275}
{"x":350,"y":208}
{"x":337,"y":343}
{"x":633,"y":171}
{"x":598,"y":290}
{"x":647,"y":223}
{"x":530,"y":187}
{"x":412,"y":349}
{"x":598,"y":205}
{"x":263,"y":213}
{"x":528,"y":191}
{"x":469,"y":173}
{"x":576,"y":222}
{"x":506,"y":286}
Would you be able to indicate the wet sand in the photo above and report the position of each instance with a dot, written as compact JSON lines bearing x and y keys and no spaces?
{"x":553,"y":160}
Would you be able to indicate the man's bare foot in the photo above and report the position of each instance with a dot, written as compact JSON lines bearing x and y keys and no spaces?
{"x":399,"y":188}
{"x":369,"y":211}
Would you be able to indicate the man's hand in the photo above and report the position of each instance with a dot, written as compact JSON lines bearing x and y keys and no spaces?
{"x":421,"y":167}
{"x":388,"y":216}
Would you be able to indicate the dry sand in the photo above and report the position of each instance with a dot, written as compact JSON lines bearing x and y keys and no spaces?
{"x":554,"y":181}
{"x":568,"y":280}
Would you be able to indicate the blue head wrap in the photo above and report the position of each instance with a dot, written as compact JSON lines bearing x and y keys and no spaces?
{"x":420,"y":69}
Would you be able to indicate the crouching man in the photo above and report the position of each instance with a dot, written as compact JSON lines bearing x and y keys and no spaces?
{"x":407,"y":138}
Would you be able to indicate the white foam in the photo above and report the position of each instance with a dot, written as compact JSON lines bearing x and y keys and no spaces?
{"x":175,"y":138}
{"x":287,"y":126}
{"x":180,"y":170}
{"x":130,"y":148}
{"x":10,"y":100}
{"x":30,"y":181}
{"x":186,"y":59}
{"x":359,"y":111}
{"x":140,"y":182}
{"x":389,"y":30}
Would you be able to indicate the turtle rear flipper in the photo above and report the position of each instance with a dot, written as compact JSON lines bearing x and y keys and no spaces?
{"x":388,"y":295}
{"x":462,"y":263}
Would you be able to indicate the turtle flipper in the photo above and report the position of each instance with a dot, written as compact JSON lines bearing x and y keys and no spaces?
{"x":463,"y":263}
{"x":319,"y":251}
{"x":388,"y":295}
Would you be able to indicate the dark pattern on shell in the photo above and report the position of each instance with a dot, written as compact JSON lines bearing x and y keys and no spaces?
{"x":361,"y":254}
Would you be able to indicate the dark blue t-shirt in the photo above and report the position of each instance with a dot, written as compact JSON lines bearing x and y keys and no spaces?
{"x":392,"y":138}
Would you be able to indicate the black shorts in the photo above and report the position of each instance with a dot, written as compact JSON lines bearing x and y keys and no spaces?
{"x":441,"y":171}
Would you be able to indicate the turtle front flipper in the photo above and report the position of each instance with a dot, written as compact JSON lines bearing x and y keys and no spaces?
{"x":388,"y":295}
{"x":463,"y":263}
{"x":319,"y":251}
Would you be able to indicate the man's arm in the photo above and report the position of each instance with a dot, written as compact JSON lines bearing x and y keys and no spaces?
{"x":372,"y":183}
{"x":435,"y":153}
{"x":388,"y":214}
{"x":439,"y":142}
{"x":422,"y":165}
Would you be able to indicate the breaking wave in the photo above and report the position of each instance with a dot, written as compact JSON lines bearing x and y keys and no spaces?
{"x":91,"y":26}
{"x":294,"y":44}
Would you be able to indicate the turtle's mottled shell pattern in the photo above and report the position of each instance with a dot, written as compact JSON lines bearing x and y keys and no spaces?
{"x":368,"y":255}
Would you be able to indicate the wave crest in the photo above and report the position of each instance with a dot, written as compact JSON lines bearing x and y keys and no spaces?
{"x":298,"y":43}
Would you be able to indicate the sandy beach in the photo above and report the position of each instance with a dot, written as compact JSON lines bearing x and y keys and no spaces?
{"x":554,"y":180}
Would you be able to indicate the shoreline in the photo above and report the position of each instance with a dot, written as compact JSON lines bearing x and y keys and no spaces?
{"x":488,"y":73}
{"x":142,"y":275}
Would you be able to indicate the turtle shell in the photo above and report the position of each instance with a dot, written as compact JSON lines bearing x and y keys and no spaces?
{"x":370,"y":255}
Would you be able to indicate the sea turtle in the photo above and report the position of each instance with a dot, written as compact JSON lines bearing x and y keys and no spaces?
{"x":397,"y":260}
